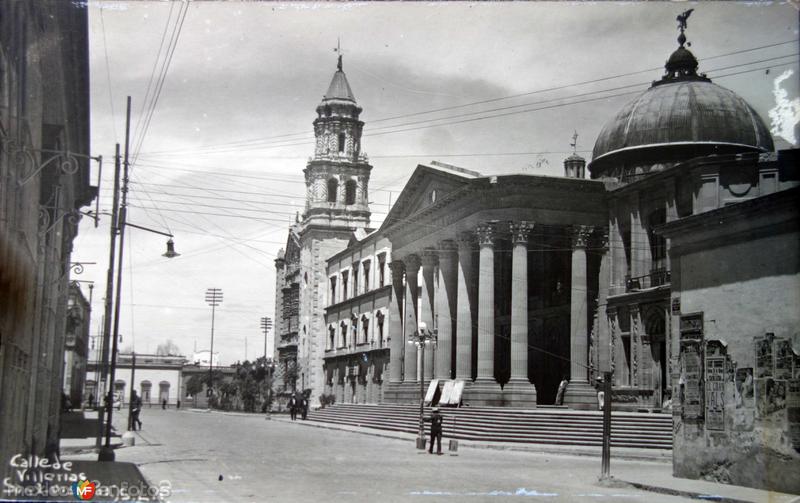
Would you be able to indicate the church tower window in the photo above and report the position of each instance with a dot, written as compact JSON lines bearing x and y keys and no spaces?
{"x":341,"y":142}
{"x":350,"y":192}
{"x":333,"y":188}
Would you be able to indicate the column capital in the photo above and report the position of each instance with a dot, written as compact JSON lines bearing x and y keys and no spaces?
{"x":398,"y":268}
{"x":430,"y":257}
{"x":612,"y":311}
{"x":580,"y":236}
{"x":520,"y":231}
{"x":412,"y":263}
{"x":600,"y":238}
{"x":487,"y":233}
{"x":466,"y":240}
{"x":633,"y":309}
{"x":446,"y":247}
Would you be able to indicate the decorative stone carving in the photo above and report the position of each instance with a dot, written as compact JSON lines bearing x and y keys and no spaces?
{"x":465,"y":240}
{"x":635,"y":343}
{"x":429,"y":257}
{"x":412,"y":263}
{"x":520,"y":231}
{"x":398,"y":268}
{"x":447,"y":246}
{"x":600,"y":238}
{"x":486,"y":234}
{"x":580,"y":235}
{"x":612,"y":340}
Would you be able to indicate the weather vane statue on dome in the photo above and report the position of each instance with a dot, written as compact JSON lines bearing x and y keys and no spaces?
{"x":682,"y":25}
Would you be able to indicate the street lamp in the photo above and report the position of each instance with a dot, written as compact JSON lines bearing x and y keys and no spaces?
{"x":118,"y":224}
{"x":213,"y":299}
{"x":422,"y":337}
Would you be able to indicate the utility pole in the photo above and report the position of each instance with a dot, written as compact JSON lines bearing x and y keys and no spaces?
{"x":213,"y":299}
{"x":266,"y":324}
{"x":108,"y":388}
{"x":605,"y":471}
{"x":107,"y":453}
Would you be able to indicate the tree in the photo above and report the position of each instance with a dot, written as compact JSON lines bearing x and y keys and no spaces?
{"x":194,"y":386}
{"x":168,"y":348}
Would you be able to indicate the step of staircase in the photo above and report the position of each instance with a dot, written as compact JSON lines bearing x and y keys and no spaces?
{"x":498,"y":424}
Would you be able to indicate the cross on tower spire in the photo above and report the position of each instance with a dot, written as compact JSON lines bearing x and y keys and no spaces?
{"x":338,"y":49}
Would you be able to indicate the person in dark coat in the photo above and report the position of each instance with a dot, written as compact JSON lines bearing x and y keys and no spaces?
{"x":304,"y":406}
{"x":136,"y":409}
{"x":293,"y":406}
{"x":436,"y":421}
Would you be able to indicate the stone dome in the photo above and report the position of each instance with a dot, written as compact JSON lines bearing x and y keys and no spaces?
{"x":683,"y":112}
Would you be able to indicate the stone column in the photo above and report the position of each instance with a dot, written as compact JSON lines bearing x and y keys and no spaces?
{"x":579,"y":393}
{"x":395,"y":323}
{"x":486,"y":390}
{"x":428,"y":304}
{"x":446,"y":309}
{"x":603,"y":353}
{"x":412,"y":263}
{"x":519,"y":392}
{"x":466,"y":306}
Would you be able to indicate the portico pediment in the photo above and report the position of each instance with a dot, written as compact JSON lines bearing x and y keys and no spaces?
{"x":428,"y":185}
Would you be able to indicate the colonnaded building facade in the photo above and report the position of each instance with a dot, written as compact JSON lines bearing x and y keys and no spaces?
{"x":527,"y":280}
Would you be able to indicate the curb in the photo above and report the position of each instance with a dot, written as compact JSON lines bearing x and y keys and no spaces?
{"x":684,"y":494}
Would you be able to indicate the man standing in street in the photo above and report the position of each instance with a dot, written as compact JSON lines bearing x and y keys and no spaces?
{"x":136,"y":409}
{"x":436,"y":421}
{"x":293,"y":406}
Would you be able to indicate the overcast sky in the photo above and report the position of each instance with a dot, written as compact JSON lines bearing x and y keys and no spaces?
{"x":221,"y":164}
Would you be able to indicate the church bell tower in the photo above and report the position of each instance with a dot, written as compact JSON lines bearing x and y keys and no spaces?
{"x":337,"y":177}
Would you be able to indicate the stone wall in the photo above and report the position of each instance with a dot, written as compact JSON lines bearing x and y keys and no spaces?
{"x":737,"y":383}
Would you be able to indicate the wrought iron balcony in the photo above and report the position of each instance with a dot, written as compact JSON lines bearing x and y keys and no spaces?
{"x":657,"y":277}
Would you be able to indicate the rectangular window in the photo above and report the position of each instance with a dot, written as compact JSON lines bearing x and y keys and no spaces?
{"x":345,"y":275}
{"x":333,"y":290}
{"x":366,"y":267}
{"x":355,"y":279}
{"x":381,"y":269}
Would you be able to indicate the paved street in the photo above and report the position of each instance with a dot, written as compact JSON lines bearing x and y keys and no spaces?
{"x":282,"y":461}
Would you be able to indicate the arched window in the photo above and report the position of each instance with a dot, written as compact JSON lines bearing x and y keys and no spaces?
{"x":331,"y":336}
{"x":350,"y":192}
{"x":341,"y":142}
{"x":333,"y":188}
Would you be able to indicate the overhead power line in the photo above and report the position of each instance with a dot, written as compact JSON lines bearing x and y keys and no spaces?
{"x":258,"y":141}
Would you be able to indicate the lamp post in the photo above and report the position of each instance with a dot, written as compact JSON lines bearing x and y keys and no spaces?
{"x":422,"y":337}
{"x":213,"y":299}
{"x":118,"y":224}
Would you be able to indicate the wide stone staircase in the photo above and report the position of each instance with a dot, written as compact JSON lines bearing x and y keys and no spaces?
{"x":555,"y":426}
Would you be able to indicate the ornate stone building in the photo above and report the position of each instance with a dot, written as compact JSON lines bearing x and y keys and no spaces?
{"x":76,"y":345}
{"x":44,"y":181}
{"x":337,"y":180}
{"x":358,"y":320}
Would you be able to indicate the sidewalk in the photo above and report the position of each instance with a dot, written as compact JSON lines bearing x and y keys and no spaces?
{"x":115,"y":479}
{"x":659,"y":481}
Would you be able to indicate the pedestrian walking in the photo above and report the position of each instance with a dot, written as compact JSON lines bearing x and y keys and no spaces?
{"x":164,"y":403}
{"x":136,"y":409}
{"x":436,"y":421}
{"x":293,"y":406}
{"x":304,"y":406}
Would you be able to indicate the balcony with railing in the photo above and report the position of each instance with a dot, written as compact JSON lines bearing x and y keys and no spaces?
{"x":658,"y":277}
